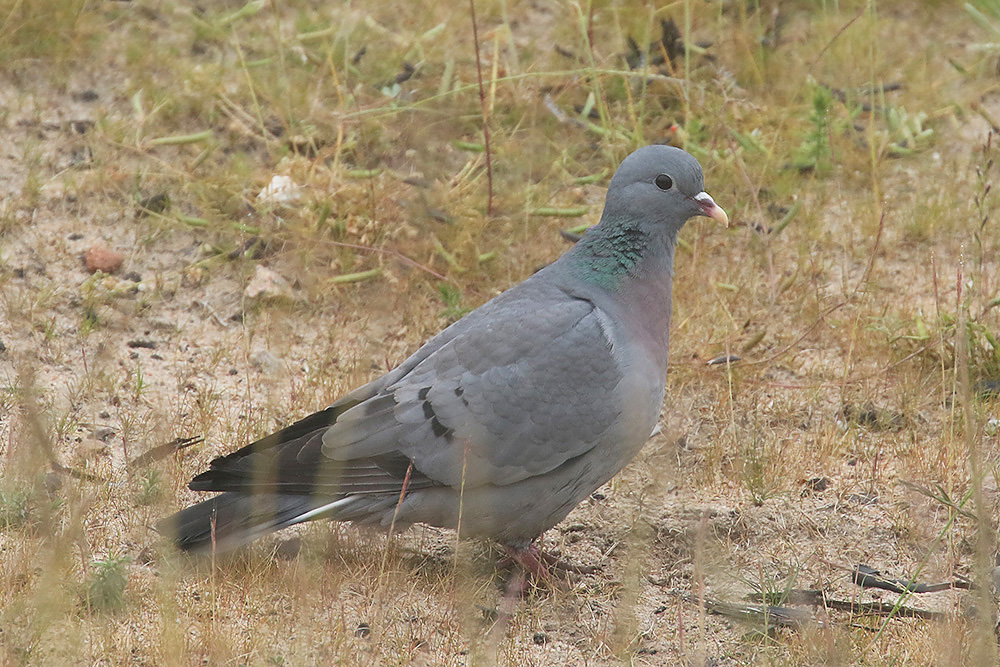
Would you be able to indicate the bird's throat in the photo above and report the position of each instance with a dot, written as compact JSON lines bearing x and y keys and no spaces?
{"x":607,"y":257}
{"x":638,"y":268}
{"x":612,"y":256}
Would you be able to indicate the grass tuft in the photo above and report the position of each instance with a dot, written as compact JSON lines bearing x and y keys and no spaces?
{"x":105,"y":586}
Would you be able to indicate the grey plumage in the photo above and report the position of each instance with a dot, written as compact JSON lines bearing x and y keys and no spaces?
{"x":520,"y":410}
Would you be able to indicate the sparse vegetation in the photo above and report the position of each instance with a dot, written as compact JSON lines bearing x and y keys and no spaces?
{"x":341,"y":146}
{"x":15,"y":512}
{"x":106,"y":584}
{"x":814,"y":151}
{"x":150,"y":489}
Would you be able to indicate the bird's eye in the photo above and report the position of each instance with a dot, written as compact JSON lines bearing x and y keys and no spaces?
{"x":664,"y":182}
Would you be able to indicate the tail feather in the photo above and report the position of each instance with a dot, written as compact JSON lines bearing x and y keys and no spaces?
{"x":284,"y":479}
{"x":230,"y":520}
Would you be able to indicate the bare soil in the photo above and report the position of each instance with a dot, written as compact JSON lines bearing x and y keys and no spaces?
{"x":785,"y":470}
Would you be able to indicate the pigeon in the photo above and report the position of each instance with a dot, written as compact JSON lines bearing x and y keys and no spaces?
{"x":506,"y":420}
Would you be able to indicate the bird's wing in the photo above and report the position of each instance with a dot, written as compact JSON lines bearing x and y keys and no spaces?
{"x":513,"y":390}
{"x":290,"y":461}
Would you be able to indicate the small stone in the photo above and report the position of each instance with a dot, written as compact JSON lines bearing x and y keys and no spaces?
{"x":81,"y":127}
{"x":103,"y":433}
{"x":101,"y":258}
{"x":88,"y":95}
{"x":288,"y":549}
{"x":281,"y":191}
{"x":266,"y":363}
{"x":816,"y":484}
{"x":987,"y":388}
{"x":53,"y":482}
{"x":91,"y":448}
{"x":267,"y":284}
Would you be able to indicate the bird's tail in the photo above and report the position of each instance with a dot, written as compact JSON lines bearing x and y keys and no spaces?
{"x":232,"y":519}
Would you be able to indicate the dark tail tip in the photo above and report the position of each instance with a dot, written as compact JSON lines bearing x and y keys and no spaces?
{"x":232,"y":519}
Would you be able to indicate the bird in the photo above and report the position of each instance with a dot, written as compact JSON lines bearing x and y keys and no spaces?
{"x":502,"y":423}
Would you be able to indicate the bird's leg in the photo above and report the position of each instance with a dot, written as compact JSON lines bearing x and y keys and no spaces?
{"x":531,"y":571}
{"x":531,"y":560}
{"x":537,"y":567}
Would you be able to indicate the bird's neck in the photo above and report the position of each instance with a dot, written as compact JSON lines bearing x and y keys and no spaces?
{"x":636,"y":268}
{"x":620,"y":257}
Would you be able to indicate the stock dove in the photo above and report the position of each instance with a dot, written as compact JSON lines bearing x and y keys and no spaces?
{"x":502,"y":423}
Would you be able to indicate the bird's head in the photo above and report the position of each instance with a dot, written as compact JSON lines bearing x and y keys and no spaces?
{"x":660,"y":185}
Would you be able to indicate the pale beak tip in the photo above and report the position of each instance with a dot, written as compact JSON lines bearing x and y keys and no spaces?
{"x":711,"y":209}
{"x":719,"y":214}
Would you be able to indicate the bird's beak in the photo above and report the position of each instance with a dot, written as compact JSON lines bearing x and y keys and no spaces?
{"x":710,"y":208}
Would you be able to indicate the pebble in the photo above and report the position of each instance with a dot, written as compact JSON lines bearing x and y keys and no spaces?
{"x":267,"y":284}
{"x":266,"y":363}
{"x":281,"y":191}
{"x":91,"y":448}
{"x":101,"y":258}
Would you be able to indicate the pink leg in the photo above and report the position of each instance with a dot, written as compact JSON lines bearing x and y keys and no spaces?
{"x":531,"y":560}
{"x":531,"y":571}
{"x":537,"y":567}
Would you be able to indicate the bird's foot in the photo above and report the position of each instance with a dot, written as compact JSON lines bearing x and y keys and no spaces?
{"x":556,"y":563}
{"x":537,"y":568}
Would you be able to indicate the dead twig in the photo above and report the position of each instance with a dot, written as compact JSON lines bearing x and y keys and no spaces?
{"x":483,"y":109}
{"x":818,"y":598}
{"x":403,"y":258}
{"x":771,"y":616}
{"x":160,"y":452}
{"x":73,"y":472}
{"x":940,"y":497}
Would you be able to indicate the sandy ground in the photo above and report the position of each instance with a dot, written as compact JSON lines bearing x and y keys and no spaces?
{"x":758,"y":480}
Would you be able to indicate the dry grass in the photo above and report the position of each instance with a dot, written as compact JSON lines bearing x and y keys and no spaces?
{"x":859,"y":253}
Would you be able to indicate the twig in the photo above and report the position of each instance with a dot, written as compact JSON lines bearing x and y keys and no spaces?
{"x":72,"y":472}
{"x":871,"y":258}
{"x":943,"y":499}
{"x":868,"y":577}
{"x":840,"y":32}
{"x":482,"y":105}
{"x":160,"y":452}
{"x":812,"y":596}
{"x":770,"y":615}
{"x":384,"y":251}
